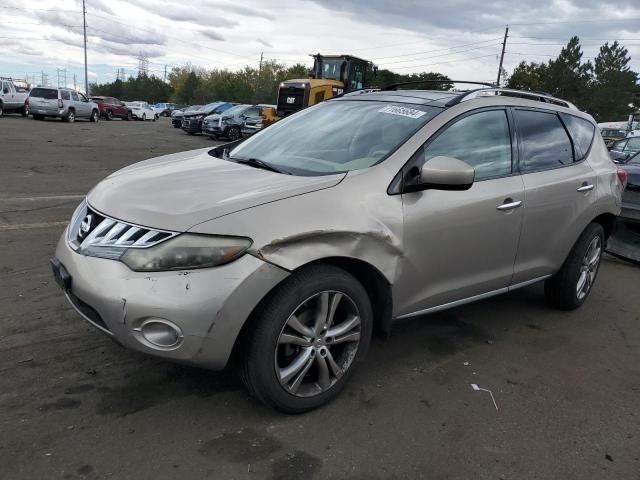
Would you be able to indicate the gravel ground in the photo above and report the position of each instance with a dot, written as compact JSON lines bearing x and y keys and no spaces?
{"x":74,"y":405}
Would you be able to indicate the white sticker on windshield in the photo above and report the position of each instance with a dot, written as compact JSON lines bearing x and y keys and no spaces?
{"x":402,"y":111}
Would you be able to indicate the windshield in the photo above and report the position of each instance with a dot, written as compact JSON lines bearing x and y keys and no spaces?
{"x":237,"y":110}
{"x":211,"y":106}
{"x":335,"y":137}
{"x":331,"y":68}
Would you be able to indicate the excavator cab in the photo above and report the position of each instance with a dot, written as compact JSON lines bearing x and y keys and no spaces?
{"x":331,"y":75}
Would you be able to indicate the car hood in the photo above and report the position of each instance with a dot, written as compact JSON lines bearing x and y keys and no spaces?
{"x":179,"y":191}
{"x":213,"y":117}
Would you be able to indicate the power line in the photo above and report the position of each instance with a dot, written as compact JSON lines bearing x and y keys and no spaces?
{"x":440,"y":49}
{"x":452,"y":61}
{"x":436,"y":56}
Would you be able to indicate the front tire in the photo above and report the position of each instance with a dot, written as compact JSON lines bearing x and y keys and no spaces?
{"x":570,"y":287}
{"x":1,"y":109}
{"x":109,"y":115}
{"x":94,"y":116}
{"x":144,"y":117}
{"x":233,"y":134}
{"x":309,"y":334}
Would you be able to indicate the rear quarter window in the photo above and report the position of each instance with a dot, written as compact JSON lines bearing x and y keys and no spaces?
{"x":582,"y":131}
{"x":46,"y":93}
{"x":64,"y":94}
{"x":544,"y":141}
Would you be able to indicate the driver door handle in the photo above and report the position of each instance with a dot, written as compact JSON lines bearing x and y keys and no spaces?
{"x":585,"y":187}
{"x":509,"y":205}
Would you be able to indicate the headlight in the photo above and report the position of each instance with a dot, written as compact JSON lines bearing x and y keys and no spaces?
{"x":185,"y":252}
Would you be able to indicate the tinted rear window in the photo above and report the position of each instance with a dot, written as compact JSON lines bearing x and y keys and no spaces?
{"x":64,"y":94}
{"x":46,"y":93}
{"x":581,"y":131}
{"x":545,"y":143}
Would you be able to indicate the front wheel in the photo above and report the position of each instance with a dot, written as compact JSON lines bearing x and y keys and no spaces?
{"x":25,"y":111}
{"x":94,"y":116}
{"x":233,"y":134}
{"x":1,"y":109}
{"x":155,"y":117}
{"x":109,"y":115}
{"x":307,"y":339}
{"x":128,"y":116}
{"x":569,"y":288}
{"x":144,"y":117}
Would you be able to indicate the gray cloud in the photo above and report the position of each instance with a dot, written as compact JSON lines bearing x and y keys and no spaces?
{"x":99,"y":5}
{"x":264,"y":42}
{"x":212,"y":34}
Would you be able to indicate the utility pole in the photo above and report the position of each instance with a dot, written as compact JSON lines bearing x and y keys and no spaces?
{"x":84,"y":24}
{"x":504,"y":45}
{"x":165,"y":74}
{"x":259,"y":75}
{"x":75,"y":85}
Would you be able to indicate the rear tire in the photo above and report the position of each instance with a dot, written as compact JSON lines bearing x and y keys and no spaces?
{"x":570,"y":287}
{"x":25,"y":111}
{"x":71,"y":117}
{"x":320,"y":366}
{"x":144,"y":117}
{"x":1,"y":109}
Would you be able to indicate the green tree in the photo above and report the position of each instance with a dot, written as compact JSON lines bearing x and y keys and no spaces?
{"x":567,"y":77}
{"x":614,"y":83}
{"x":529,"y":76}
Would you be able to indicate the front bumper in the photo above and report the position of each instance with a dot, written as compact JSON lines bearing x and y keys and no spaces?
{"x":192,"y":125}
{"x":209,"y":306}
{"x":214,"y":129}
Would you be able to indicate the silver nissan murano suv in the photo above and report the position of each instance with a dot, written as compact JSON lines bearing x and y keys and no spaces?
{"x":284,"y":251}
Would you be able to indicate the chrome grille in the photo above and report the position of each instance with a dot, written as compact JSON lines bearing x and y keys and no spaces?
{"x":93,"y":233}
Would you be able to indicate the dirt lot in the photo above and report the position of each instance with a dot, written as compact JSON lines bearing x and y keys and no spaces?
{"x":74,"y":405}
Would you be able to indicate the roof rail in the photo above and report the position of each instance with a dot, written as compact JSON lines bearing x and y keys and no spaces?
{"x":414,"y":82}
{"x":510,"y":92}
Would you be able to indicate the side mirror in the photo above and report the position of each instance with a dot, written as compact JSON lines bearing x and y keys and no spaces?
{"x":446,"y":173}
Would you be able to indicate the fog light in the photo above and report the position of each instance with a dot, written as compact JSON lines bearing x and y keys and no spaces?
{"x":160,"y":333}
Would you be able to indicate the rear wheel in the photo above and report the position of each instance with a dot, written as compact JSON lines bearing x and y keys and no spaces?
{"x":71,"y":117}
{"x":569,"y":288}
{"x":144,"y":117}
{"x":155,"y":117}
{"x":128,"y":116}
{"x":1,"y":109}
{"x":310,"y":333}
{"x":25,"y":111}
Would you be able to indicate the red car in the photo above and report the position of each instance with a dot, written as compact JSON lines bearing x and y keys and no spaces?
{"x":112,"y":107}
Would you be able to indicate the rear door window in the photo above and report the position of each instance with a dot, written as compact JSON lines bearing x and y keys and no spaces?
{"x":64,"y":94}
{"x":582,"y":131}
{"x":480,"y":139}
{"x":74,"y":95}
{"x":544,"y":141}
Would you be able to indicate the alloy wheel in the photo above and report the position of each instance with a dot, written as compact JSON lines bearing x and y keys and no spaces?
{"x":317,"y":344}
{"x":589,"y":268}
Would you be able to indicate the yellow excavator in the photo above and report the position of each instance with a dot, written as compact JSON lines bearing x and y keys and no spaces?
{"x":332,"y":75}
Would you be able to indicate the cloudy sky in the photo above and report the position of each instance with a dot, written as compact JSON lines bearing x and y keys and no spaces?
{"x":460,"y":38}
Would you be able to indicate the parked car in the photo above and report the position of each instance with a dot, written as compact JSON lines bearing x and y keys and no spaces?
{"x":288,"y":247}
{"x":268,"y":115}
{"x":230,"y":122}
{"x":111,"y":108}
{"x":623,"y":149}
{"x":192,"y":119}
{"x":178,"y":114}
{"x":141,"y":111}
{"x":11,"y":99}
{"x":164,"y":109}
{"x":625,"y":241}
{"x":611,"y":135}
{"x":63,"y":103}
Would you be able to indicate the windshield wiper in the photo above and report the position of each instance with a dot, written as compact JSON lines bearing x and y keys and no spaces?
{"x":257,"y":163}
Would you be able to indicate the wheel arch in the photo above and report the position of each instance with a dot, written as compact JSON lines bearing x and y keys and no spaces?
{"x":377,"y":287}
{"x":608,"y":221}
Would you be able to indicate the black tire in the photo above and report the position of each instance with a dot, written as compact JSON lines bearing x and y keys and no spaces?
{"x":155,"y":117}
{"x":128,"y":116}
{"x":176,"y":125}
{"x":71,"y":117}
{"x":234,"y":134}
{"x":257,"y":365}
{"x":94,"y":116}
{"x":25,"y":111}
{"x":561,"y":290}
{"x":1,"y":109}
{"x":144,"y":117}
{"x":109,"y":115}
